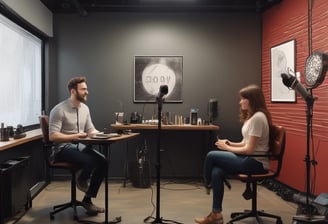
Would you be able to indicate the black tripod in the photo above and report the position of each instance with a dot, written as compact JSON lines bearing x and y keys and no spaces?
{"x":308,"y":217}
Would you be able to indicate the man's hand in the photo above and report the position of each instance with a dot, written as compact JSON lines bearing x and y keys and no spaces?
{"x":82,"y":135}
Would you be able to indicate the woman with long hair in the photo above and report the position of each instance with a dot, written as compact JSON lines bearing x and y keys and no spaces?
{"x":235,"y":157}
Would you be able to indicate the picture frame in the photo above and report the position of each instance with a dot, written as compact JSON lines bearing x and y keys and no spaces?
{"x":282,"y":61}
{"x":150,"y":72}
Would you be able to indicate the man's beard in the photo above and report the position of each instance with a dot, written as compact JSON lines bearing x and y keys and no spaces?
{"x":80,"y":98}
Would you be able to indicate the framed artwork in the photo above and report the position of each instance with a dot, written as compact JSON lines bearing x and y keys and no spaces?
{"x":150,"y":72}
{"x":282,"y":61}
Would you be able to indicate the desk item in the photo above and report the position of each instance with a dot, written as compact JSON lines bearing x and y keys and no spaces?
{"x":135,"y":118}
{"x":4,"y":134}
{"x":11,"y":131}
{"x":102,"y":135}
{"x":19,"y":132}
{"x":212,"y":110}
{"x":119,"y":117}
{"x":193,"y":116}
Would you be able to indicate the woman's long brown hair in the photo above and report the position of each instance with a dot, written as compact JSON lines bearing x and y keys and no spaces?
{"x":257,"y":103}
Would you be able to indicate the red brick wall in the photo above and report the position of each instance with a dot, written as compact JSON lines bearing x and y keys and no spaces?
{"x":286,"y":21}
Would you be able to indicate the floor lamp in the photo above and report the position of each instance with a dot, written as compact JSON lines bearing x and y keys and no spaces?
{"x":315,"y":69}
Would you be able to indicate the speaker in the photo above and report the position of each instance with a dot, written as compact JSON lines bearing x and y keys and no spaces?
{"x":212,"y":109}
{"x":139,"y":174}
{"x":14,"y":186}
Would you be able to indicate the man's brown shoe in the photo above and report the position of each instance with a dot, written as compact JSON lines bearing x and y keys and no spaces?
{"x":92,"y":209}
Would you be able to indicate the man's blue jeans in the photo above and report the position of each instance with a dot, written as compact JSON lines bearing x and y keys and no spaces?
{"x":218,"y":164}
{"x":92,"y":163}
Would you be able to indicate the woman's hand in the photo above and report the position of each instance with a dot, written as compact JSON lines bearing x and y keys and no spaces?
{"x":222,"y":144}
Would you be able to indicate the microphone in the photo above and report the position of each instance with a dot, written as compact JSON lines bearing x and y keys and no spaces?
{"x":163,"y":90}
{"x":291,"y":82}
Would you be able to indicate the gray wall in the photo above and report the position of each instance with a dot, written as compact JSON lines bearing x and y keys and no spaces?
{"x":221,"y":54}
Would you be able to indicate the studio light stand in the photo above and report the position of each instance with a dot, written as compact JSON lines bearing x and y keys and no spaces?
{"x":308,"y":217}
{"x":315,"y":69}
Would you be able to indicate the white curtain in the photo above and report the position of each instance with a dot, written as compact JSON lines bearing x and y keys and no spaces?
{"x":20,"y":75}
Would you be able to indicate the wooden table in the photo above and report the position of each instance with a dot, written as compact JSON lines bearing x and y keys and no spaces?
{"x":5,"y":148}
{"x":187,"y":127}
{"x":105,"y":143}
{"x":184,"y":146}
{"x":30,"y":136}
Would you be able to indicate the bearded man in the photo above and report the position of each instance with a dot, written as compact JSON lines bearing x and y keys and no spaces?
{"x":68,"y":121}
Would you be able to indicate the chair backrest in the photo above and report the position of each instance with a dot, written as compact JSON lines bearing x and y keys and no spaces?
{"x":47,"y":144}
{"x":44,"y":125}
{"x":277,"y":147}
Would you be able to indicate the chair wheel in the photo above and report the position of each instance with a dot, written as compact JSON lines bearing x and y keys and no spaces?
{"x":233,"y":215}
{"x":52,"y":217}
{"x":279,"y":221}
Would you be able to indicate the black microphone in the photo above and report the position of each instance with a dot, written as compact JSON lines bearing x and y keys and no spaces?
{"x":291,"y":82}
{"x":163,"y":90}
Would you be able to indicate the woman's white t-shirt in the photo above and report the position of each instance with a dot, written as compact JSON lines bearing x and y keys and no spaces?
{"x":258,"y":126}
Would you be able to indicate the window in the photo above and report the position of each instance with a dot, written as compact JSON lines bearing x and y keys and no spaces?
{"x":20,"y":75}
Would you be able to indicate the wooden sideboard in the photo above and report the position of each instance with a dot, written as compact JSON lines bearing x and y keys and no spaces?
{"x":183,"y":147}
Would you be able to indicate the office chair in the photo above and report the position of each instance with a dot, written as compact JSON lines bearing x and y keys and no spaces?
{"x":47,"y":145}
{"x":277,"y":148}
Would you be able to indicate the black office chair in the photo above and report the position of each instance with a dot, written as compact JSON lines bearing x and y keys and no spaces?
{"x":47,"y":145}
{"x":277,"y":149}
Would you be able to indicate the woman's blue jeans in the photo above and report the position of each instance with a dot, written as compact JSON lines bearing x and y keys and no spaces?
{"x":218,"y":164}
{"x":92,"y":163}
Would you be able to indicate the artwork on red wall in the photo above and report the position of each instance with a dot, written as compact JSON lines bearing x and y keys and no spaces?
{"x":282,"y":61}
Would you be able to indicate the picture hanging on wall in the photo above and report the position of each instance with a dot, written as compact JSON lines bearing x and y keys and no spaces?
{"x":282,"y":61}
{"x":150,"y":72}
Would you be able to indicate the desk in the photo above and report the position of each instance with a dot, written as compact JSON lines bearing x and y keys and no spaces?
{"x":105,"y":143}
{"x":17,"y":148}
{"x":186,"y":127}
{"x":30,"y":136}
{"x":183,"y":146}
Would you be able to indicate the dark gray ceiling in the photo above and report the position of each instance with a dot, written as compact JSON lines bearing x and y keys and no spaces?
{"x":84,"y":7}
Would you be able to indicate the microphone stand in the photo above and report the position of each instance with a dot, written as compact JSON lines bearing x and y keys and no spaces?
{"x":160,"y":101}
{"x":159,"y":219}
{"x":308,"y":217}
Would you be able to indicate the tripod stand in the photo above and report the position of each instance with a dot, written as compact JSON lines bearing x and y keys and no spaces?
{"x":308,"y":217}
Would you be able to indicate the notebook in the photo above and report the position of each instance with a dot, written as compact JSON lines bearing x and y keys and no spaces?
{"x":102,"y":135}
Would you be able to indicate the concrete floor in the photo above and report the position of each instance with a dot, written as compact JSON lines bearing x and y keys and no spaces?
{"x":180,"y":202}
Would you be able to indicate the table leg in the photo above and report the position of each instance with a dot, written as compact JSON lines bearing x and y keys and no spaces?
{"x":126,"y":166}
{"x":106,"y":151}
{"x":117,"y":219}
